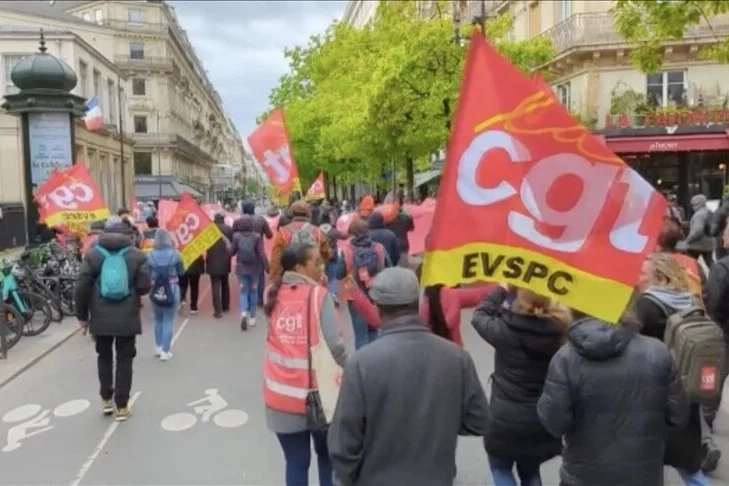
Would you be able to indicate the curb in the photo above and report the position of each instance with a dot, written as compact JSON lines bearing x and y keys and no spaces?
{"x":36,"y":359}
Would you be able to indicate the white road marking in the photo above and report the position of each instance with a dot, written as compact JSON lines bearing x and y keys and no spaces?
{"x":230,"y":419}
{"x":187,"y":319}
{"x":177,"y":422}
{"x":71,"y":408}
{"x":23,"y":412}
{"x":100,"y":447}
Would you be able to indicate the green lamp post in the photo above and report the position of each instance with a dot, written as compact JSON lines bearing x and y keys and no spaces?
{"x":47,"y":109}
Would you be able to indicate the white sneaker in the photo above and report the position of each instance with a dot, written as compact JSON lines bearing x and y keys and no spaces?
{"x":165,"y":356}
{"x":252,"y":322}
{"x":158,"y":351}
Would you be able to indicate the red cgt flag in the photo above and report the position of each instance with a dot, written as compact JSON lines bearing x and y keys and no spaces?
{"x":191,"y":230}
{"x":272,"y":150}
{"x":316,"y":191}
{"x":532,"y":198}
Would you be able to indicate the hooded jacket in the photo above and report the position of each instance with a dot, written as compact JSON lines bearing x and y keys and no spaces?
{"x":699,"y":238}
{"x":384,"y":236}
{"x":245,"y":229}
{"x":524,"y":346}
{"x":110,"y":318}
{"x":683,"y":446}
{"x":611,"y":393}
{"x":260,"y":224}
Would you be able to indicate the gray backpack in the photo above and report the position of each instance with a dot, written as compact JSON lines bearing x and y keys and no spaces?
{"x":697,"y":347}
{"x":304,"y":235}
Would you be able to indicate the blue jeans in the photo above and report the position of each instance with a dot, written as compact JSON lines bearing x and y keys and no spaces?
{"x":261,"y":286}
{"x":297,"y":453}
{"x":331,"y":269}
{"x":502,"y":472}
{"x":693,"y":479}
{"x":363,"y":333}
{"x":248,"y":294}
{"x":164,"y":321}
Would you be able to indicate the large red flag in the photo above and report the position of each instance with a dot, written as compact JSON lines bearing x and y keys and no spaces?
{"x":530,"y":197}
{"x":272,"y":150}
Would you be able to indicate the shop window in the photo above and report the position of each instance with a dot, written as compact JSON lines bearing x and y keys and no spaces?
{"x":707,"y":173}
{"x":142,"y":163}
{"x":666,"y":89}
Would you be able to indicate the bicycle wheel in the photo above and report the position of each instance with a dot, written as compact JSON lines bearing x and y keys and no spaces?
{"x":53,"y":301}
{"x":14,"y":321}
{"x":68,"y":301}
{"x":38,"y":316}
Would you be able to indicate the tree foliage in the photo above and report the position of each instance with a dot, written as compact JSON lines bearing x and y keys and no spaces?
{"x":357,"y":99}
{"x":650,"y":24}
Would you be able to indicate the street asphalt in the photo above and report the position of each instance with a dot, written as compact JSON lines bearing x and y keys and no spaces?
{"x":167,"y":442}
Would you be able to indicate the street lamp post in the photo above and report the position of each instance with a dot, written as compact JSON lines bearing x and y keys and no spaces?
{"x":47,"y":110}
{"x":159,"y":160}
{"x":121,"y":140}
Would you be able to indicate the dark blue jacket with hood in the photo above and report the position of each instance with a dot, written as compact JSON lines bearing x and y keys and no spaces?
{"x":384,"y":236}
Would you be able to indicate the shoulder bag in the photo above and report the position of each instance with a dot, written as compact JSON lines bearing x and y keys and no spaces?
{"x":315,"y":418}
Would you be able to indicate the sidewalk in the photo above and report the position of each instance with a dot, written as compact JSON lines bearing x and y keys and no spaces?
{"x":30,"y":350}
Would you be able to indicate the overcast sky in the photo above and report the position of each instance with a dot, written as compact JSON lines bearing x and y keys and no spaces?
{"x":241,"y":45}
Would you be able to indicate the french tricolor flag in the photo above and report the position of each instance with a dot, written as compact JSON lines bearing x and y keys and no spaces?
{"x":94,"y":119}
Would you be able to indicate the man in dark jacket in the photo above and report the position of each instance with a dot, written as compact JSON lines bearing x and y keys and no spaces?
{"x":611,"y":392}
{"x":114,"y":324}
{"x":260,"y":226}
{"x":384,"y":236}
{"x":372,"y":442}
{"x":402,"y":225}
{"x":217,"y":266}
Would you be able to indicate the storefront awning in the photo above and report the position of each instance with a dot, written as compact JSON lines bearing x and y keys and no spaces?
{"x":669,"y":143}
{"x":147,"y":188}
{"x":425,"y":177}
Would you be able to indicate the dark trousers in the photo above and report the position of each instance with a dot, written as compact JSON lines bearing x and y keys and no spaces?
{"x":193,"y":283}
{"x":261,"y":287}
{"x":120,"y":385}
{"x":297,"y":453}
{"x":220,"y":289}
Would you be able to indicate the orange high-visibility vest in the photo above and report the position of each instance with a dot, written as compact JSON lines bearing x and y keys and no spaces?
{"x":286,"y":366}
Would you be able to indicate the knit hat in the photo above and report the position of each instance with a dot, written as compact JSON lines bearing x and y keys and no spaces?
{"x":395,"y":286}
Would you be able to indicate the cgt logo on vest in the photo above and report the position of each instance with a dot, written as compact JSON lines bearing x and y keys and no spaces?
{"x":484,"y":264}
{"x":290,"y":324}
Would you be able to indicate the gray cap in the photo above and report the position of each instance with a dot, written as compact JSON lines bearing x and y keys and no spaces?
{"x":395,"y":286}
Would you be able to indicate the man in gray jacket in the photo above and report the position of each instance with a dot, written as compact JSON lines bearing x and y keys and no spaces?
{"x":113,"y":323}
{"x":405,"y":398}
{"x":698,"y":242}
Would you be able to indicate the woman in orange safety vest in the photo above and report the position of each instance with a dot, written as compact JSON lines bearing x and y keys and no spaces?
{"x":298,"y":307}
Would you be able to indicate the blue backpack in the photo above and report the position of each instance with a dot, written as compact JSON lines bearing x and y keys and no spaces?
{"x":114,"y":276}
{"x":365,"y":265}
{"x":161,"y":292}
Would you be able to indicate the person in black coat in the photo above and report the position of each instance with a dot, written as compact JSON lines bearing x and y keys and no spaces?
{"x":217,"y":266}
{"x":525,"y":337}
{"x":665,"y":292}
{"x":612,"y":394}
{"x":191,"y":280}
{"x":384,"y":236}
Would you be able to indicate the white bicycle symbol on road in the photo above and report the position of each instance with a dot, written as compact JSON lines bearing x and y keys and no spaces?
{"x":212,"y":406}
{"x":32,"y":420}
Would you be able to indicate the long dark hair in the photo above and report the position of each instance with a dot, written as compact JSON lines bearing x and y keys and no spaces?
{"x":292,"y":256}
{"x":436,"y":316}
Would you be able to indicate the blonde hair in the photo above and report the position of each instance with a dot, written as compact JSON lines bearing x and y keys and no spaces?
{"x":667,"y":273}
{"x":532,"y":304}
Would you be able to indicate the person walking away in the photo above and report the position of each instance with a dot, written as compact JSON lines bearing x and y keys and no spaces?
{"x":402,"y":225}
{"x":664,"y":292}
{"x":148,"y":235}
{"x":217,"y":266}
{"x":698,"y":242}
{"x":333,"y":236}
{"x":525,"y":335}
{"x":190,"y":280}
{"x":362,"y":259}
{"x":675,"y":210}
{"x":260,"y":226}
{"x":298,"y":231}
{"x":297,"y":298}
{"x":441,"y":308}
{"x":165,"y":265}
{"x":389,"y":427}
{"x":611,"y":394}
{"x":128,"y":218}
{"x":384,"y":236}
{"x":717,"y":306}
{"x":718,"y":226}
{"x":112,"y":278}
{"x":250,"y":261}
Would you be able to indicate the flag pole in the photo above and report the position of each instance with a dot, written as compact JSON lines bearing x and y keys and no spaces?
{"x":121,"y":141}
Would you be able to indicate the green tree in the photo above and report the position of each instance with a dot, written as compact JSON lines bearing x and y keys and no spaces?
{"x":652,"y":23}
{"x":357,"y":99}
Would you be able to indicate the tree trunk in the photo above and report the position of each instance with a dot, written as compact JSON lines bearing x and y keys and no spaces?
{"x":410,"y":177}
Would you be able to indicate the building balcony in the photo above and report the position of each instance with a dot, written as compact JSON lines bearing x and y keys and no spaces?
{"x":590,"y":30}
{"x":148,"y":141}
{"x":135,"y":27}
{"x":148,"y":63}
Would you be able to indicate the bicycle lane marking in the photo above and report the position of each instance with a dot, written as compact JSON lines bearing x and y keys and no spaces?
{"x":182,"y":327}
{"x":100,"y":446}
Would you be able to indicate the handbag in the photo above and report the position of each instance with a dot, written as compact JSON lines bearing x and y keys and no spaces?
{"x":315,"y":419}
